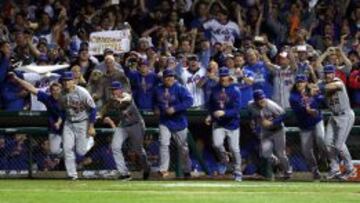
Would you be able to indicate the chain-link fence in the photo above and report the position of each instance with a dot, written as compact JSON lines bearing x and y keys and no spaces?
{"x":25,"y":152}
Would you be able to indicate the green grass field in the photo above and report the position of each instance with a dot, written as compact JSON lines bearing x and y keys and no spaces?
{"x":100,"y":191}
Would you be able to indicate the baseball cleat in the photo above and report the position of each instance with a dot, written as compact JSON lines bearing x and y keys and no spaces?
{"x":124,"y":177}
{"x":237,"y":177}
{"x":333,"y":175}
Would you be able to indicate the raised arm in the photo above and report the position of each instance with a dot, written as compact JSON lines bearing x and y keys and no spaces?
{"x":24,"y":84}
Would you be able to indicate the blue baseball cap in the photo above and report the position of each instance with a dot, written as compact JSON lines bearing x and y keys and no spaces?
{"x":116,"y":85}
{"x":144,"y":62}
{"x":67,"y":75}
{"x":301,"y":78}
{"x":259,"y":95}
{"x":329,"y":69}
{"x":224,"y":71}
{"x":43,"y":58}
{"x":168,"y":73}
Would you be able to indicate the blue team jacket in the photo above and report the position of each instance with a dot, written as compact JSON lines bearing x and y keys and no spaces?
{"x":178,"y":97}
{"x":143,"y":92}
{"x":227,"y":99}
{"x":298,"y":104}
{"x":54,"y":110}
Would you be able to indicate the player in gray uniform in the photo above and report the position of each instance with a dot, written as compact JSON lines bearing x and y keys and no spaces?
{"x":268,"y":117}
{"x":131,"y":125}
{"x":80,"y":116}
{"x":339,"y":124}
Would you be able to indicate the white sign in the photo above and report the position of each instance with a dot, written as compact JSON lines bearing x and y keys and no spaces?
{"x":33,"y":68}
{"x":117,"y":40}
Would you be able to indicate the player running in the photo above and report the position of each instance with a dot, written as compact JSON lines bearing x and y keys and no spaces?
{"x":131,"y":126}
{"x":269,"y":117}
{"x":173,"y":100}
{"x":224,"y":109}
{"x":305,"y":102}
{"x":80,"y":116}
{"x":339,"y":125}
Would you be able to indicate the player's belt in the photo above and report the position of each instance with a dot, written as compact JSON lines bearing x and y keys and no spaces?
{"x":79,"y":121}
{"x":339,"y":113}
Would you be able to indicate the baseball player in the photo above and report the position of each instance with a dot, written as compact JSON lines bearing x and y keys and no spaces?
{"x":339,"y":125}
{"x":52,"y":105}
{"x":268,"y":117}
{"x":305,"y":103}
{"x":173,"y":100}
{"x":80,"y":116}
{"x":224,"y":108}
{"x":131,"y":126}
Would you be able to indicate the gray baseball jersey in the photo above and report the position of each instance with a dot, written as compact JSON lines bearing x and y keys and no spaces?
{"x":283,"y":82}
{"x":131,"y":126}
{"x":270,"y":112}
{"x":128,"y":112}
{"x":338,"y":102}
{"x":338,"y":127}
{"x":76,"y":104}
{"x":273,"y":138}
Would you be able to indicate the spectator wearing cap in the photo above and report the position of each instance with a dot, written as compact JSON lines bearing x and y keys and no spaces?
{"x":191,"y":77}
{"x":143,"y":45}
{"x":230,"y":63}
{"x":173,"y":100}
{"x":42,"y":60}
{"x":336,"y":56}
{"x":221,"y":29}
{"x":223,"y":107}
{"x":143,"y":83}
{"x":354,"y":85}
{"x":262,"y":75}
{"x":283,"y":77}
{"x":102,"y":66}
{"x":111,"y":74}
{"x":85,"y":63}
{"x":302,"y":63}
{"x":265,"y":46}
